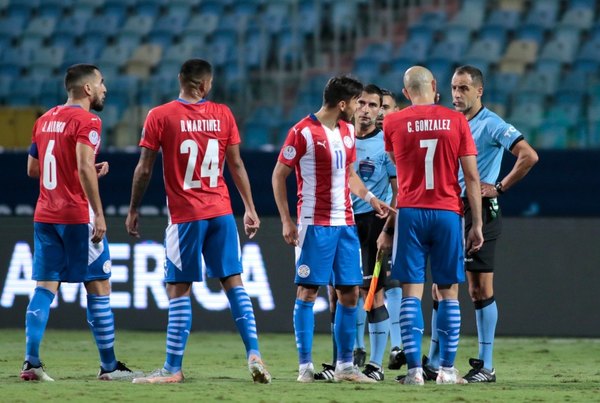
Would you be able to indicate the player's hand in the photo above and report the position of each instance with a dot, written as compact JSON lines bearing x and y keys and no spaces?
{"x":290,"y":233}
{"x":384,"y":242}
{"x":251,"y":223}
{"x":99,"y":229}
{"x":382,"y":209}
{"x":488,"y":190}
{"x":102,"y":168}
{"x":131,"y":223}
{"x":474,"y":240}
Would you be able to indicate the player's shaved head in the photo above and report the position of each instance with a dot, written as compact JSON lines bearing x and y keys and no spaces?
{"x":76,"y":77}
{"x":417,"y":80}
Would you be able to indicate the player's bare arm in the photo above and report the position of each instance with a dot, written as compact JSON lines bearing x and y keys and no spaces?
{"x":242,"y":183}
{"x":141,"y":178}
{"x":527,"y":157}
{"x":358,"y":188}
{"x":101,"y":168}
{"x":290,"y":231}
{"x":33,"y":167}
{"x":475,"y":236}
{"x":86,"y":168}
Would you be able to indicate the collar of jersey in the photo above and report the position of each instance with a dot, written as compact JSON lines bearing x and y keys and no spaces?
{"x":374,"y":133}
{"x":183,"y":101}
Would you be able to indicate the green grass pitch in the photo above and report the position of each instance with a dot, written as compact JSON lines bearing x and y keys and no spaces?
{"x":528,"y":369}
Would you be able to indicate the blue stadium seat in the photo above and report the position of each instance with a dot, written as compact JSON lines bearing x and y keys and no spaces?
{"x":72,"y":26}
{"x":551,"y":136}
{"x":559,"y":50}
{"x":12,"y":26}
{"x":568,"y":34}
{"x":5,"y":84}
{"x":564,"y":114}
{"x":52,"y":92}
{"x":257,"y":136}
{"x":149,"y":8}
{"x":344,"y":15}
{"x":13,"y":60}
{"x":265,"y":114}
{"x":366,"y":69}
{"x":95,"y":44}
{"x":138,"y":24}
{"x":448,"y":50}
{"x":539,"y":82}
{"x":581,"y":18}
{"x":415,"y":50}
{"x":421,"y":33}
{"x":400,"y":64}
{"x":53,"y":8}
{"x":434,"y":18}
{"x":256,"y":48}
{"x":488,"y":50}
{"x":117,"y":9}
{"x":25,"y":91}
{"x":494,"y":33}
{"x":204,"y":24}
{"x":45,"y":61}
{"x":503,"y":83}
{"x":470,"y":16}
{"x":585,"y":4}
{"x":275,"y":17}
{"x":458,"y":34}
{"x":507,"y":19}
{"x":223,"y":47}
{"x":481,"y":64}
{"x":542,"y":16}
{"x":181,"y":8}
{"x":79,"y":54}
{"x":531,"y":32}
{"x":129,"y":40}
{"x":590,"y":50}
{"x":104,"y":25}
{"x":21,"y":9}
{"x":310,"y":15}
{"x":114,"y":56}
{"x":82,"y":10}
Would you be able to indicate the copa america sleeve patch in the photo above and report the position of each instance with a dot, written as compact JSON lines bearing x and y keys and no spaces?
{"x":94,"y":137}
{"x":348,"y":142}
{"x":289,"y":152}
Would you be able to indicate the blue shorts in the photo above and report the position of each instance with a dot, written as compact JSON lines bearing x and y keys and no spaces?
{"x":215,"y":239}
{"x":426,"y":232}
{"x":65,"y":253}
{"x":328,"y":255}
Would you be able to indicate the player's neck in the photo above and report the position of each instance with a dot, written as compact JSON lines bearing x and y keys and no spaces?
{"x":328,"y":118}
{"x":360,"y":132}
{"x":422,"y":99}
{"x":83,"y":103}
{"x":192,"y":99}
{"x":474,"y":110}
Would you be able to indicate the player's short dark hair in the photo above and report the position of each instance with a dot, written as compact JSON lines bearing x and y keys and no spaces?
{"x":385,"y":91}
{"x":373,"y":89}
{"x":474,"y":72}
{"x":194,"y":71}
{"x":341,"y":88}
{"x":75,"y":74}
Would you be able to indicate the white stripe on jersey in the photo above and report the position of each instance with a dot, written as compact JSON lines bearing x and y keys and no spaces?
{"x":172,"y":245}
{"x":309,"y":180}
{"x":338,"y":176}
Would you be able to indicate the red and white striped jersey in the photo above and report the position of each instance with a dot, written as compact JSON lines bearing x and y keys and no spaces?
{"x":321,"y":158}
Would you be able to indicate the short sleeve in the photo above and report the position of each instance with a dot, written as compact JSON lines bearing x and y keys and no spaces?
{"x":89,"y":131}
{"x":151,"y":132}
{"x":387,"y":138}
{"x":389,"y":166}
{"x":293,"y":148}
{"x":506,"y":134}
{"x":467,"y":144}
{"x":351,"y":155}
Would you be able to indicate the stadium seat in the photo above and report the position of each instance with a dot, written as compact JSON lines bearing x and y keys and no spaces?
{"x":581,"y":18}
{"x":559,"y":50}
{"x":115,"y":56}
{"x":138,"y":24}
{"x":515,"y":5}
{"x":223,"y":47}
{"x":507,"y":19}
{"x":488,"y":50}
{"x":202,"y":24}
{"x":21,"y":9}
{"x":470,"y":16}
{"x":25,"y":91}
{"x":310,"y":15}
{"x":343,"y":16}
{"x":143,"y":59}
{"x":46,"y":61}
{"x":550,"y":135}
{"x":149,"y":8}
{"x":570,"y":35}
{"x":541,"y":16}
{"x":257,"y":136}
{"x":415,"y":50}
{"x":79,"y":54}
{"x":584,"y":4}
{"x":531,"y":32}
{"x":518,"y":55}
{"x":366,"y":69}
{"x":52,"y":92}
{"x":458,"y":34}
{"x":71,"y":25}
{"x":104,"y":25}
{"x":448,"y":50}
{"x":494,"y":33}
{"x":421,"y":34}
{"x":181,"y":8}
{"x":539,"y":82}
{"x":13,"y":60}
{"x":117,"y":9}
{"x":590,"y":50}
{"x":256,"y":49}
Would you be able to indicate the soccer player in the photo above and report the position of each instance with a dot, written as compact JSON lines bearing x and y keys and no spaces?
{"x":388,"y":104}
{"x":321,"y":148}
{"x":492,"y":136}
{"x":196,"y":137}
{"x":427,"y":142}
{"x":69,"y":225}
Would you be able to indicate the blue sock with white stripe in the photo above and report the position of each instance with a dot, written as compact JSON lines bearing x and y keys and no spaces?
{"x":394,"y":299}
{"x":434,"y":346}
{"x":36,"y":320}
{"x":243,"y":315}
{"x":486,"y":313}
{"x":345,"y":332}
{"x":101,"y":321}
{"x":178,"y":331}
{"x":448,"y":325}
{"x":304,"y":327}
{"x":361,"y":318}
{"x":411,"y":324}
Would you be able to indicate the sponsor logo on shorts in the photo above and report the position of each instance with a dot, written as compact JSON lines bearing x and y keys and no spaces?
{"x":106,"y":267}
{"x":303,"y":271}
{"x":468,"y":260}
{"x":289,"y":152}
{"x":348,"y":142}
{"x":94,"y":137}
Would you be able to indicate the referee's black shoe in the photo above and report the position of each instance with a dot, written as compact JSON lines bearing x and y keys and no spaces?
{"x":359,"y":356}
{"x":373,"y":372}
{"x":478,"y":373}
{"x":397,"y":358}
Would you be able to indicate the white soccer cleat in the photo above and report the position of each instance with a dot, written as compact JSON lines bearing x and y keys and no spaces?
{"x":449,"y":376}
{"x":161,"y":376}
{"x":120,"y":373}
{"x":258,"y":370}
{"x":306,"y":373}
{"x":351,"y":374}
{"x":414,"y":377}
{"x":31,"y":373}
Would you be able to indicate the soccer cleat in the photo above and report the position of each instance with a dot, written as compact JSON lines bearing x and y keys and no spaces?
{"x":413,"y":377}
{"x":258,"y":370}
{"x":478,"y":373}
{"x":327,"y":373}
{"x":161,"y":376}
{"x":373,"y":372}
{"x":397,"y":358}
{"x":306,"y":373}
{"x":351,"y":374}
{"x":31,"y":373}
{"x":120,"y":373}
{"x":449,"y":376}
{"x":359,"y":356}
{"x":429,"y":373}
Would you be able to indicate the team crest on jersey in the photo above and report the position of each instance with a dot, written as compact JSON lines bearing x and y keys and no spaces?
{"x":94,"y":137}
{"x":289,"y":152}
{"x":106,"y":267}
{"x":303,"y":271}
{"x":348,"y":142}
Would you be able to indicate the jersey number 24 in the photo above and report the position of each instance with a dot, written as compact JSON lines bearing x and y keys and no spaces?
{"x":209,"y":167}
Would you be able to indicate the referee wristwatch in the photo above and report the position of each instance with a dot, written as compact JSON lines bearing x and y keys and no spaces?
{"x":499,"y":188}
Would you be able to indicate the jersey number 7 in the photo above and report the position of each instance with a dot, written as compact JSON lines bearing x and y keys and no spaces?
{"x":430,"y":145}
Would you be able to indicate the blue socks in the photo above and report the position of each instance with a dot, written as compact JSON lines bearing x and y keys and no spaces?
{"x":178,"y":331}
{"x":434,"y":347}
{"x":379,"y":326}
{"x":101,"y":321}
{"x":243,"y":314}
{"x":486,"y":313}
{"x":304,"y":327}
{"x":345,"y":332}
{"x":334,"y":358}
{"x":361,"y":318}
{"x":448,"y":327}
{"x":411,"y":324}
{"x":394,"y":299}
{"x":36,"y":319}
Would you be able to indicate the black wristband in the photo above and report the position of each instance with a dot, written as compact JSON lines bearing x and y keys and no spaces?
{"x":388,"y":230}
{"x":498,"y":188}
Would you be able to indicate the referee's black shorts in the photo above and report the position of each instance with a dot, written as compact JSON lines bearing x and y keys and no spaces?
{"x":483,"y":260}
{"x":369,"y":226}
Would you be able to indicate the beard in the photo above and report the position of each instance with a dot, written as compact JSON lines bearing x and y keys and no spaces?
{"x":97,"y":104}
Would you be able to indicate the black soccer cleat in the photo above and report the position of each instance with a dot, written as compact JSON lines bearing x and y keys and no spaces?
{"x":327,"y":373}
{"x":359,"y":356}
{"x":120,"y":373}
{"x":397,"y":358}
{"x":373,"y":372}
{"x":429,"y":373}
{"x":478,"y":373}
